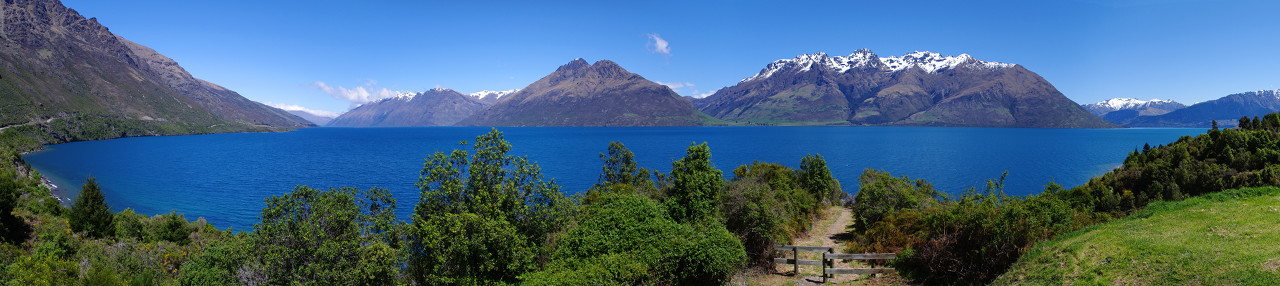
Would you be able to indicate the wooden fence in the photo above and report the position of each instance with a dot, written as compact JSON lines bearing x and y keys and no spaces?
{"x":828,"y":260}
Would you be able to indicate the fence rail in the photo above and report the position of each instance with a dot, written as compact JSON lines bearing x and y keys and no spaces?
{"x":828,"y":260}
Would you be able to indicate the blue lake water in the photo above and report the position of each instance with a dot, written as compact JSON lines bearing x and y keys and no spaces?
{"x":225,"y":177}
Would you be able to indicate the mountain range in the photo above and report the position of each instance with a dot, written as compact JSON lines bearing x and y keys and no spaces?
{"x":1226,"y":111}
{"x":1122,"y":110}
{"x":920,"y":88}
{"x":435,"y":107}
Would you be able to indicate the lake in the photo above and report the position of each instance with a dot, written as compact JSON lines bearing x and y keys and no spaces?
{"x":225,"y":177}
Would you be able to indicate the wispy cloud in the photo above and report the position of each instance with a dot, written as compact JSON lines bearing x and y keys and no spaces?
{"x":702,"y":95}
{"x":294,"y":107}
{"x":659,"y":45}
{"x":357,"y":95}
{"x":675,"y":85}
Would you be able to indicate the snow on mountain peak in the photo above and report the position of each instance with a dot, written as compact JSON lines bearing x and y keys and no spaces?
{"x":1128,"y":103}
{"x":928,"y":61}
{"x":496,"y":94}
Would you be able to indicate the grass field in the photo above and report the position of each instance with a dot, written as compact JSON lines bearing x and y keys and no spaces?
{"x":1226,"y":238}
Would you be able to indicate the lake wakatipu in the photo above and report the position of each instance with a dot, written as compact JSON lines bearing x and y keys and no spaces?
{"x":225,"y":177}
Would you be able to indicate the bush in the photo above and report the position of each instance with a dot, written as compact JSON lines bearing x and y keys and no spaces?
{"x":171,"y":227}
{"x":90,"y":212}
{"x":696,"y":186}
{"x":647,"y":246}
{"x":764,"y":205}
{"x":880,"y":194}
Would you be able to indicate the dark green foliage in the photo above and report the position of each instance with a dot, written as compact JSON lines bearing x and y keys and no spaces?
{"x":969,"y":240}
{"x":90,"y":212}
{"x":12,"y":227}
{"x":482,"y":218}
{"x":130,"y":225}
{"x":172,"y":227}
{"x":1191,"y":166}
{"x":696,"y":185}
{"x":340,"y":236}
{"x":880,"y":194}
{"x":635,"y":235}
{"x":817,"y":179}
{"x":621,"y":174}
{"x":221,"y":263}
{"x":764,"y":205}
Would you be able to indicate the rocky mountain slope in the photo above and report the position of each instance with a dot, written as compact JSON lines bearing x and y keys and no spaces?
{"x":920,"y":88}
{"x":436,"y":107}
{"x":56,"y":64}
{"x":1226,"y":110}
{"x":582,"y":94}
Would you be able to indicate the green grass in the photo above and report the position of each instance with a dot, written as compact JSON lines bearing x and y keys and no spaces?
{"x":1226,"y":238}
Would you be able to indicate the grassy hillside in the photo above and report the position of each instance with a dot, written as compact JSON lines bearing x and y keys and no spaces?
{"x":1226,"y":238}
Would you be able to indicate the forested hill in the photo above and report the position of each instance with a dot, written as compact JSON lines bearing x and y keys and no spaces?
{"x":60,"y":71}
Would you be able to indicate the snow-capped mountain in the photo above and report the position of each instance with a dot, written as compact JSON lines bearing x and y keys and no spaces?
{"x":1226,"y":110}
{"x":491,"y":97}
{"x":927,"y":61}
{"x":1144,"y":107}
{"x":435,"y":107}
{"x":920,"y":88}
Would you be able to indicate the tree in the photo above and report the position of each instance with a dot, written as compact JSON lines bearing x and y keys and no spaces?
{"x":90,"y":212}
{"x":1245,"y":123}
{"x":337,"y":236}
{"x":817,"y":179}
{"x":696,"y":185}
{"x":620,"y":168}
{"x":484,"y":217}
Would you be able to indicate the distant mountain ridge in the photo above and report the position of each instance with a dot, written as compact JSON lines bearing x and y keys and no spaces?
{"x":435,"y":107}
{"x":1226,"y":111}
{"x":56,"y":64}
{"x":920,"y":88}
{"x":1144,"y":107}
{"x":582,"y":94}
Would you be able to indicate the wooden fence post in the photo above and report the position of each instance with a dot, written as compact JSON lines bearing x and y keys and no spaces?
{"x":795,"y":254}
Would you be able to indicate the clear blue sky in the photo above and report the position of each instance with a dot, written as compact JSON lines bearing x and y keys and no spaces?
{"x":1091,"y":50}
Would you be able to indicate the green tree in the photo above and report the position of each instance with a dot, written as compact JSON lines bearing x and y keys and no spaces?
{"x":90,"y":212}
{"x":881,"y":194}
{"x":171,"y":227}
{"x":817,"y":179}
{"x":12,"y":228}
{"x":620,"y":173}
{"x":696,"y":186}
{"x":326,"y":237}
{"x":484,"y":217}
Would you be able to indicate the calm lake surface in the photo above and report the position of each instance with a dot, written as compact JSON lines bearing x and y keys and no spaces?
{"x":225,"y":177}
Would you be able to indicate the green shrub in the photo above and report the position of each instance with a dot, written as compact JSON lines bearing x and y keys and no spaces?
{"x":171,"y":227}
{"x":880,"y":193}
{"x":649,"y":247}
{"x":130,"y":225}
{"x":696,"y":186}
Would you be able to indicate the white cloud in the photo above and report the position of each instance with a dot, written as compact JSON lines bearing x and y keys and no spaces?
{"x":674,"y":85}
{"x":293,"y":107}
{"x":659,"y":45}
{"x":357,"y":95}
{"x":703,"y":95}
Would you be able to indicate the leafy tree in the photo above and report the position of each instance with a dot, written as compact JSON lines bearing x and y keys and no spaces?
{"x":817,"y":179}
{"x":340,"y":236}
{"x":485,"y":217}
{"x":13,"y":228}
{"x":696,"y":185}
{"x":129,"y":224}
{"x":621,"y":174}
{"x":90,"y":212}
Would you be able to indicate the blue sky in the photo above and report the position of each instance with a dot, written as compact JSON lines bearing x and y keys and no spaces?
{"x":284,"y":52}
